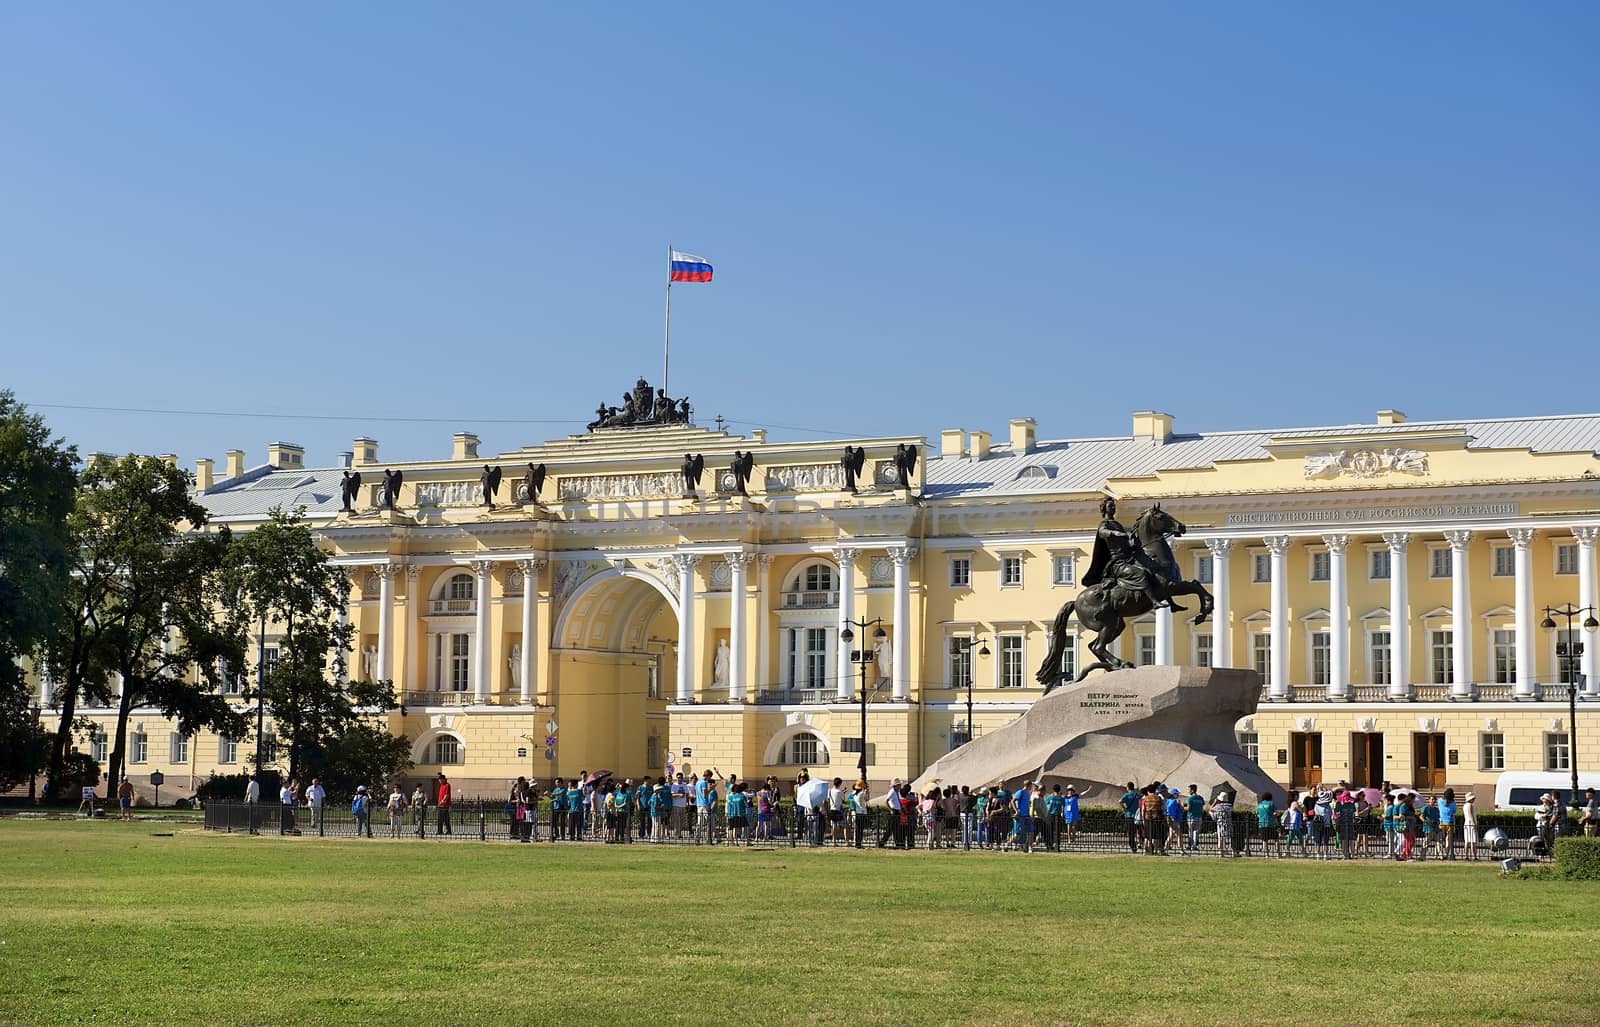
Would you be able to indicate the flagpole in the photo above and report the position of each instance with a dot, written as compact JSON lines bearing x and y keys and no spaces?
{"x":666,"y":340}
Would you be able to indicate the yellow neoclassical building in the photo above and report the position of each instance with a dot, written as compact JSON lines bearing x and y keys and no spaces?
{"x":1386,"y":579}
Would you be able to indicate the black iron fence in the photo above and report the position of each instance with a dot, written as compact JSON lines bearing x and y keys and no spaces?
{"x":1098,"y":830}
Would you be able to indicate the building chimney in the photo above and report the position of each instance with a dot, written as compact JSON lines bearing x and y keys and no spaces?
{"x":465,"y":446}
{"x":1024,"y":435}
{"x":204,"y":474}
{"x":979,"y":443}
{"x":952,"y":442}
{"x":286,"y":455}
{"x":1148,"y":424}
{"x":235,"y":464}
{"x":345,"y":459}
{"x":170,"y":459}
{"x":1391,"y":417}
{"x":366,"y":450}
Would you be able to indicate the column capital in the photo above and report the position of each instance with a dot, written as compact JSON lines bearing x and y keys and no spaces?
{"x":1585,"y":536}
{"x":685,"y":562}
{"x":739,"y":560}
{"x":765,"y":559}
{"x":1459,"y":538}
{"x":845,"y":554}
{"x":902,"y":555}
{"x":1336,"y":543}
{"x":389,"y":570}
{"x":532,"y":565}
{"x":1397,"y":540}
{"x":1277,"y":545}
{"x":1220,"y":546}
{"x":1522,"y":537}
{"x":483,"y":568}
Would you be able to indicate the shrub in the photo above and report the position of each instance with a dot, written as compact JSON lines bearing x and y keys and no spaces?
{"x":1578,"y":859}
{"x":230,"y":787}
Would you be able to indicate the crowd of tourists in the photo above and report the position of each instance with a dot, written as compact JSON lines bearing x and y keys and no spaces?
{"x":1316,"y":823}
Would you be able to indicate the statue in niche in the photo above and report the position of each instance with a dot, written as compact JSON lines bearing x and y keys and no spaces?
{"x":369,"y":662}
{"x":489,"y":482}
{"x":719,"y":665}
{"x":885,"y":655}
{"x":349,"y":489}
{"x":514,"y":662}
{"x":391,"y":488}
{"x":855,"y":458}
{"x":693,"y":466}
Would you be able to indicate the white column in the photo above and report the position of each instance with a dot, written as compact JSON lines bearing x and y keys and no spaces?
{"x":530,"y":602}
{"x":1460,"y":615}
{"x":387,"y":572}
{"x":763,"y":622}
{"x":1399,"y":617}
{"x":1338,"y":617}
{"x":900,"y":655}
{"x":685,"y":563}
{"x":413,"y":612}
{"x":1586,"y":597}
{"x":47,"y":686}
{"x":481,"y":673}
{"x":1163,"y":637}
{"x":737,"y":562}
{"x":1524,"y":688}
{"x":847,"y":612}
{"x":1221,"y":615}
{"x":1278,"y":546}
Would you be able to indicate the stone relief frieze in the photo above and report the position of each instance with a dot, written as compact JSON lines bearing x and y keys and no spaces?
{"x":449,"y":493}
{"x":1366,"y":463}
{"x":622,"y":486}
{"x":805,"y":478}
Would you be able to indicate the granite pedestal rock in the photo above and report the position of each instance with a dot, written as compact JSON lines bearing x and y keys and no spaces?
{"x":1169,"y":724}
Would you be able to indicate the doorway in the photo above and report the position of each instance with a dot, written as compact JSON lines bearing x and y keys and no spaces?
{"x":1427,"y":760}
{"x":1305,"y":759}
{"x":1366,"y":759}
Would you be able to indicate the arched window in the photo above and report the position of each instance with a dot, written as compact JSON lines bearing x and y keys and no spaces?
{"x":818,"y":578}
{"x":812,"y":586}
{"x":460,"y":587}
{"x":446,"y":749}
{"x":803,"y":750}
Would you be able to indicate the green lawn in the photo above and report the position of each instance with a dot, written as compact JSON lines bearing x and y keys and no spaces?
{"x":106,"y":922}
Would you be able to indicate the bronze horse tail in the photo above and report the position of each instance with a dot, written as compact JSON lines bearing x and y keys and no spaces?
{"x":1049,"y":674}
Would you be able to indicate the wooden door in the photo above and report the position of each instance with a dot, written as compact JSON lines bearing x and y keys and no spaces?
{"x":1305,"y":759}
{"x":1366,"y":759}
{"x":1427,"y":760}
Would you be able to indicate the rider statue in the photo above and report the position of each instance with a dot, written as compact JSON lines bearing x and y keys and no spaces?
{"x":1119,"y":557}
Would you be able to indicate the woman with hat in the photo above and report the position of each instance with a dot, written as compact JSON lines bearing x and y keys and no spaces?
{"x":1469,"y":824}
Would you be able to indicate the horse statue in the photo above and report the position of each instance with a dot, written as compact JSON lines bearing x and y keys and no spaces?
{"x":1131,"y":573}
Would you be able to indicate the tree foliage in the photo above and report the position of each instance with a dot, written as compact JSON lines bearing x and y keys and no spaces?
{"x":36,"y":494}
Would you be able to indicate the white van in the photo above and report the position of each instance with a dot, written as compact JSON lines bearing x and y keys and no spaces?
{"x":1520,"y":789}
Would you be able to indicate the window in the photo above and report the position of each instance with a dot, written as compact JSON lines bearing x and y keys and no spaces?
{"x":227,"y":749}
{"x":652,"y":751}
{"x":819,"y":578}
{"x":1261,"y":653}
{"x":1492,"y":751}
{"x":652,"y":681}
{"x":806,"y":657}
{"x":1010,"y":572}
{"x":959,"y":736}
{"x":1568,"y":647}
{"x":178,"y":746}
{"x":1503,"y":654}
{"x":802,"y":750}
{"x":1147,"y":650}
{"x":1441,"y":657}
{"x":1010,"y":661}
{"x":1439,"y":562}
{"x":446,"y":750}
{"x":460,"y":663}
{"x":1203,"y":568}
{"x":1261,"y":568}
{"x":1556,"y":754}
{"x":460,"y":588}
{"x":269,"y":660}
{"x":1379,"y":657}
{"x":1505,"y":561}
{"x":97,"y":744}
{"x":960,"y":572}
{"x":1064,"y":569}
{"x":1250,"y":744}
{"x":850,"y":743}
{"x":1321,"y":657}
{"x":1320,"y":562}
{"x":1202,"y":649}
{"x":1567,"y":558}
{"x":958,"y":661}
{"x":267,"y":750}
{"x":1378,"y":565}
{"x":139,"y":747}
{"x":232,"y":682}
{"x":1069,"y":657}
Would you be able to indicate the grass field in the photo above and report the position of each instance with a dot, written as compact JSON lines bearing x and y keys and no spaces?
{"x":110,"y":923}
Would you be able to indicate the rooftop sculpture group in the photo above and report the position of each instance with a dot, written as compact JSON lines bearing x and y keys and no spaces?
{"x":641,"y":408}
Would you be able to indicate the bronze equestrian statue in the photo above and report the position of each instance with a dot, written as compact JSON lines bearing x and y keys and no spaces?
{"x":1130,"y":574}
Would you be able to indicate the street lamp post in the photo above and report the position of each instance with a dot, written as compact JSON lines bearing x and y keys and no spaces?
{"x":847,"y":636}
{"x":1569,"y":650}
{"x":983,"y":651}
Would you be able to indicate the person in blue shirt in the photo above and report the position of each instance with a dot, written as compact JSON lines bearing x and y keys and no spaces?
{"x":736,"y":814}
{"x":1447,"y":822}
{"x":1022,"y":802}
{"x":1069,"y":812}
{"x":1054,"y":803}
{"x":1194,"y":808}
{"x":558,"y":809}
{"x":575,"y":810}
{"x":1130,"y":816}
{"x":1173,"y":808}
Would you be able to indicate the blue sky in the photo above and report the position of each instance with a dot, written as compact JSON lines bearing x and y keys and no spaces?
{"x":921,"y":216}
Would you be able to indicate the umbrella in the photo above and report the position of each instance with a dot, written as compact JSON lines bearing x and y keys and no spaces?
{"x":1373,"y":796}
{"x":811,"y":794}
{"x":1400,"y":793}
{"x":598,"y":776}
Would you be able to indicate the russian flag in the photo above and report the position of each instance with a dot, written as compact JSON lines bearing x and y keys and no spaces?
{"x":686,"y":267}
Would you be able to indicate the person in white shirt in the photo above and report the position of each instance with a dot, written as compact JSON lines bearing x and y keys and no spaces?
{"x":836,"y":832}
{"x":316,"y":795}
{"x":252,"y":798}
{"x":286,"y":799}
{"x":680,"y":806}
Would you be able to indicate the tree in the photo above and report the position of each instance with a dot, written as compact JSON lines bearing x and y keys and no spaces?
{"x":36,"y":495}
{"x":283,"y":577}
{"x":145,"y":605}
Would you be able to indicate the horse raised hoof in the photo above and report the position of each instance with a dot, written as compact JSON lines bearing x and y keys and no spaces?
{"x":1200,"y":618}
